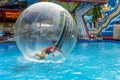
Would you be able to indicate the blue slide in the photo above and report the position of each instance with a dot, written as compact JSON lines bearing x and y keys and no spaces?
{"x":108,"y":31}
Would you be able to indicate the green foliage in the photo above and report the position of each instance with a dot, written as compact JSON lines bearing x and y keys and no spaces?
{"x":96,"y":14}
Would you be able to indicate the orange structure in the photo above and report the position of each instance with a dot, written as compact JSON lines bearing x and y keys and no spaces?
{"x":12,"y":14}
{"x":8,"y":15}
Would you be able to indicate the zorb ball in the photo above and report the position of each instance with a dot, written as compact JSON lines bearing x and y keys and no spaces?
{"x":40,"y":25}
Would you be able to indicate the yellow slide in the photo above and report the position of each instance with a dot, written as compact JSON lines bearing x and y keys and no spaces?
{"x":110,"y":17}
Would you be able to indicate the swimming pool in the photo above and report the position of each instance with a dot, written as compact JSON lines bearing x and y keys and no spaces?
{"x":89,"y":60}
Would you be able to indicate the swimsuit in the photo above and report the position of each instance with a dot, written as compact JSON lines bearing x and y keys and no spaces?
{"x":50,"y":49}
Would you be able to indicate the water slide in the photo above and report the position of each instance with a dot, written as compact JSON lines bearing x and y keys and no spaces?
{"x":107,"y":33}
{"x":113,"y":13}
{"x":83,"y":8}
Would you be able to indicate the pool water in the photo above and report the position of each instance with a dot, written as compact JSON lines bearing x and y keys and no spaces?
{"x":89,"y":60}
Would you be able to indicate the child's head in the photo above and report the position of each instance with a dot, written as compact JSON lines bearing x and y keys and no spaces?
{"x":54,"y":42}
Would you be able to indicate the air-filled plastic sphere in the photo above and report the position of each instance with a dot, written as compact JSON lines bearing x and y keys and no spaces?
{"x":40,"y":26}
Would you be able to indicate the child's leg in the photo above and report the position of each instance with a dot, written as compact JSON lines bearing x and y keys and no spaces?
{"x":42,"y":55}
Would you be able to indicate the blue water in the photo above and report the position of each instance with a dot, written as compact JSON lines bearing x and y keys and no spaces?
{"x":88,"y":61}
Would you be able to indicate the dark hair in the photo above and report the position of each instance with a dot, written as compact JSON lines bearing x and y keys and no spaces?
{"x":54,"y":41}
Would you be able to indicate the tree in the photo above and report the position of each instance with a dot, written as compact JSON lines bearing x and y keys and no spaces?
{"x":96,"y":14}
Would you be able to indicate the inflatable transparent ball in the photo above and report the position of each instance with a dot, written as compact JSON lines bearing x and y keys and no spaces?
{"x":40,"y":25}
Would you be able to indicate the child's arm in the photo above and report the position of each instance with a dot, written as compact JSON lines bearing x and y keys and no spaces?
{"x":59,"y":50}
